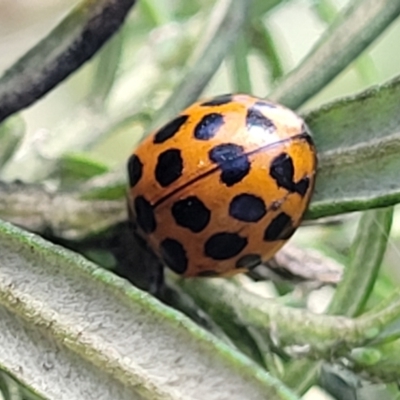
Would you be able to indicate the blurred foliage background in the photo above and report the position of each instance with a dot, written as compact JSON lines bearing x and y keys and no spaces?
{"x":158,"y":38}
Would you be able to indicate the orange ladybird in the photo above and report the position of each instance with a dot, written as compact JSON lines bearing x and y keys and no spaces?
{"x":221,"y":187}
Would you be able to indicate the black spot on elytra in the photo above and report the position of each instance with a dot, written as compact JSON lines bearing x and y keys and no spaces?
{"x":233,"y":163}
{"x":302,"y":186}
{"x":135,"y":170}
{"x":224,"y":245}
{"x":248,"y":261}
{"x":174,"y":254}
{"x":208,"y":126}
{"x":282,"y":170}
{"x":144,"y":214}
{"x":255,"y":118}
{"x":218,"y":101}
{"x":225,"y":153}
{"x":191,"y":213}
{"x":280,"y":228}
{"x":247,"y":207}
{"x":169,"y":167}
{"x":170,"y":129}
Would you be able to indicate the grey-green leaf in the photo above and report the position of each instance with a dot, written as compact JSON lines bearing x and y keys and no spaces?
{"x":358,"y":143}
{"x":74,"y":331}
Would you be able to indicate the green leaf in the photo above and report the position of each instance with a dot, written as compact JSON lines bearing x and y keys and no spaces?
{"x":114,"y":191}
{"x":77,"y":167}
{"x":11,"y":132}
{"x":366,"y":256}
{"x":106,"y":65}
{"x":326,"y":10}
{"x":72,"y":328}
{"x":240,"y":66}
{"x":357,"y":140}
{"x":9,"y":389}
{"x":260,"y":8}
{"x":261,"y":39}
{"x":156,"y":12}
{"x":359,"y":25}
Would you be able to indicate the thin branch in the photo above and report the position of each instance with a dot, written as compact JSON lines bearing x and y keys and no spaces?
{"x":63,"y":215}
{"x":297,"y":330}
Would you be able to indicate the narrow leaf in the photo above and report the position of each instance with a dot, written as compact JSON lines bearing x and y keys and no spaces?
{"x":366,"y":256}
{"x":11,"y":133}
{"x":73,"y":330}
{"x":358,"y":141}
{"x":357,"y":28}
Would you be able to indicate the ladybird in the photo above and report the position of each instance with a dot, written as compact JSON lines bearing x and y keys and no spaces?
{"x":220,"y":188}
